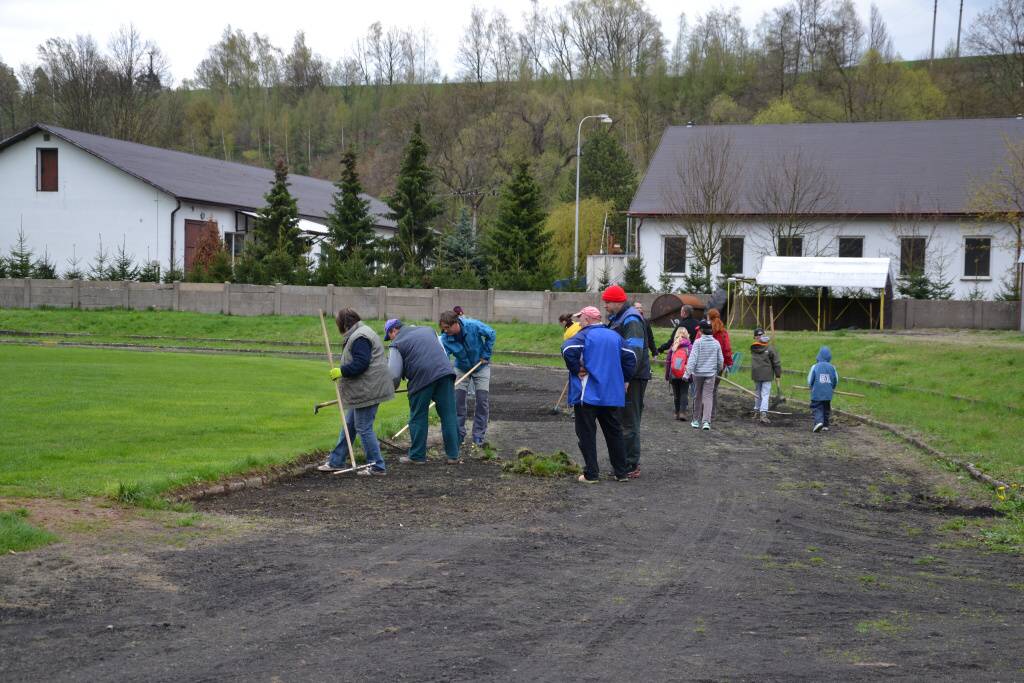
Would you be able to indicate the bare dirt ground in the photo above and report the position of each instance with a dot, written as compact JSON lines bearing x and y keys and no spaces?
{"x":746,"y":553}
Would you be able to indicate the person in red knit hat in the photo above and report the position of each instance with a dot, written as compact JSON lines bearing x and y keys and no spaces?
{"x":630,"y":325}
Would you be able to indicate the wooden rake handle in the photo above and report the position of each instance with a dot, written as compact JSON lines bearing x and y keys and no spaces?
{"x":337,"y":392}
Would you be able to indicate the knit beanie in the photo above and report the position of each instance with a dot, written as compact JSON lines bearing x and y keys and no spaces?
{"x":614,"y":294}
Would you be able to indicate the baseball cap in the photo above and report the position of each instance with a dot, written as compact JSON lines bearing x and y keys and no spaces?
{"x":589,"y":312}
{"x":391,"y":324}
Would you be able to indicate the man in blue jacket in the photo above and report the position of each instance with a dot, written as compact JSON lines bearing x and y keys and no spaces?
{"x":469,"y":342}
{"x":600,"y":364}
{"x":632,"y":327}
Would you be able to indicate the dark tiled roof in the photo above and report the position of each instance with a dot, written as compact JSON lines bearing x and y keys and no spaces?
{"x":203,"y":179}
{"x":878,"y":168}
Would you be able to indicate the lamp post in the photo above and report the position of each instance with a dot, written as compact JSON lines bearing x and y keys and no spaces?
{"x":576,"y":235}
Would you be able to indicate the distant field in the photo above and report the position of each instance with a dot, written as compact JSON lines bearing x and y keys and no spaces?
{"x":80,"y":422}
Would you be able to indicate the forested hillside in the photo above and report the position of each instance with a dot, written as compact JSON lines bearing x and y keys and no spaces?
{"x":518,"y":96}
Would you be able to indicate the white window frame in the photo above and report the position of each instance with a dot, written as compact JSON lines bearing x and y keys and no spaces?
{"x":664,"y":252}
{"x":977,"y":278}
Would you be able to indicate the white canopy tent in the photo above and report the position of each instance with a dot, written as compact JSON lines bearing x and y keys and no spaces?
{"x":822,"y":272}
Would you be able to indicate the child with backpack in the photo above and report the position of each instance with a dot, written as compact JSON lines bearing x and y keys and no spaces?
{"x":765,"y":367}
{"x":822,"y":380}
{"x":675,"y":369}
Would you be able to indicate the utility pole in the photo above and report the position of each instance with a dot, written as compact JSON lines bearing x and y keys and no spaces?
{"x":935,"y":18}
{"x":959,"y":23}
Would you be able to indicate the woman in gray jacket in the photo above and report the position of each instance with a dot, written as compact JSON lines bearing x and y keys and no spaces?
{"x":365,"y":384}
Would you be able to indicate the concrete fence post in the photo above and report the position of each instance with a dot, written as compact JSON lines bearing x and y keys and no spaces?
{"x":176,"y":297}
{"x":126,"y":295}
{"x":278,"y":292}
{"x":545,"y":316}
{"x":329,"y":299}
{"x":27,"y":293}
{"x":76,"y":294}
{"x":382,"y":302}
{"x":435,"y":305}
{"x":490,"y":304}
{"x":225,"y":303}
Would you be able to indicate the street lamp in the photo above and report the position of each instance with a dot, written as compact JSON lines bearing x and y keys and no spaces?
{"x":604,"y":118}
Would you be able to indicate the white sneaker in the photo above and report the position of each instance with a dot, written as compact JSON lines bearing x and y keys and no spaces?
{"x":825,"y":428}
{"x":695,"y":424}
{"x":370,"y":472}
{"x":817,"y":427}
{"x":706,"y":426}
{"x":326,"y":467}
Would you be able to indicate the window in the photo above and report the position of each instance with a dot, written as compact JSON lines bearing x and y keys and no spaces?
{"x":234,"y":242}
{"x":675,"y":255}
{"x":791,"y":246}
{"x":46,"y":170}
{"x":732,"y":255}
{"x":851,"y":247}
{"x":912,"y":255}
{"x":977,"y":251}
{"x":244,"y":222}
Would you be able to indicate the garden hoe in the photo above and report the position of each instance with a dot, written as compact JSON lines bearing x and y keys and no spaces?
{"x":778,"y":399}
{"x":341,"y":406}
{"x":557,"y":410}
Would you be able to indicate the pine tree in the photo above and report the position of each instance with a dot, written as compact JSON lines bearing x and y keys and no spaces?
{"x":44,"y":268}
{"x":123,"y":266}
{"x":606,"y":173}
{"x":150,"y":272}
{"x":634,"y":280}
{"x":349,"y":225}
{"x":19,"y":263}
{"x":518,"y":247}
{"x":414,"y":207}
{"x":459,"y":250}
{"x":277,"y":224}
{"x":74,"y":270}
{"x":99,"y":269}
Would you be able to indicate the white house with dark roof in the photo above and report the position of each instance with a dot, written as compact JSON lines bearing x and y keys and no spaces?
{"x":899,"y":190}
{"x":68,"y":190}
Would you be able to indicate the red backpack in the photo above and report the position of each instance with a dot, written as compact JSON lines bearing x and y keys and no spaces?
{"x":677,"y":364}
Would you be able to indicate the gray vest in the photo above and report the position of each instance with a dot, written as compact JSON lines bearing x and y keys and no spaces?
{"x":424,"y":360}
{"x":374,"y":385}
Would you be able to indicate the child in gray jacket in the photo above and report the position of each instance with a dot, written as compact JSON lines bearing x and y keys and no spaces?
{"x":705,"y":362}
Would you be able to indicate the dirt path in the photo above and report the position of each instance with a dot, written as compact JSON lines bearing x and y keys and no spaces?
{"x":746,"y":553}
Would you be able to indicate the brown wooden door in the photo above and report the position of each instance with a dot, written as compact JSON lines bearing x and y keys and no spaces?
{"x":194,"y":231}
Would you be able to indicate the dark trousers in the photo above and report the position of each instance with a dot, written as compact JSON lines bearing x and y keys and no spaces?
{"x":441,"y":392}
{"x":681,"y":394}
{"x":632,"y":413}
{"x":822,"y":411}
{"x":587,"y":419}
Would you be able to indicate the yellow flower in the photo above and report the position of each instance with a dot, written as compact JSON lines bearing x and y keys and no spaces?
{"x":1001,"y":492}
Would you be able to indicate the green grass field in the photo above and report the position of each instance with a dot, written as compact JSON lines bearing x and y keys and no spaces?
{"x":17,"y":535}
{"x":985,"y":366}
{"x":82,"y":422}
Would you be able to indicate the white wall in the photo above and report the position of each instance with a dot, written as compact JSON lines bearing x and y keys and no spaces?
{"x":93,"y":200}
{"x":944,"y":251}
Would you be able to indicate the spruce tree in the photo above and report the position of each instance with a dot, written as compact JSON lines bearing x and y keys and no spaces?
{"x":606,"y":173}
{"x":518,"y":247}
{"x":123,"y":266}
{"x":459,"y":250}
{"x":99,"y":269}
{"x":349,"y":225}
{"x":414,"y":207}
{"x":44,"y":268}
{"x":19,"y":263}
{"x":634,"y":280}
{"x":277,"y":224}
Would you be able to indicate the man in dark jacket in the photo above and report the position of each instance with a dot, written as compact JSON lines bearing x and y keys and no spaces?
{"x":416,"y":355}
{"x":630,"y":325}
{"x":599,"y":363}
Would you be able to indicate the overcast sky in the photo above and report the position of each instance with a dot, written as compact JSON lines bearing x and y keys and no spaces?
{"x":185,"y":29}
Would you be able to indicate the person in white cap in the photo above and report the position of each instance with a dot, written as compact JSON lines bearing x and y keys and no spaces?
{"x":600,"y":365}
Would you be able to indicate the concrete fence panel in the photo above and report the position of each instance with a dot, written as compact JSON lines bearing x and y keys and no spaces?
{"x":200,"y":297}
{"x":420,"y":304}
{"x":251,"y":299}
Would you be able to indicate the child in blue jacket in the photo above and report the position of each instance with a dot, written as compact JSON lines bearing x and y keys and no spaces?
{"x":822,"y":381}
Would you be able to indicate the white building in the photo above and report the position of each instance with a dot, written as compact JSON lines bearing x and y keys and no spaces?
{"x":897,"y":190}
{"x":68,"y":191}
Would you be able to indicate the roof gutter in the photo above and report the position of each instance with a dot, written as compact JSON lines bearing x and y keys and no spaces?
{"x":170,"y":263}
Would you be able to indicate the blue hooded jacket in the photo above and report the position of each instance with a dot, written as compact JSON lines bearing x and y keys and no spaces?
{"x":609,"y":362}
{"x":823,"y":378}
{"x":631,"y":325}
{"x":475,"y":342}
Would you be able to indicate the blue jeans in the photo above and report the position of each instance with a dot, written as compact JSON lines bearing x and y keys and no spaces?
{"x":360,"y":423}
{"x":822,"y":411}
